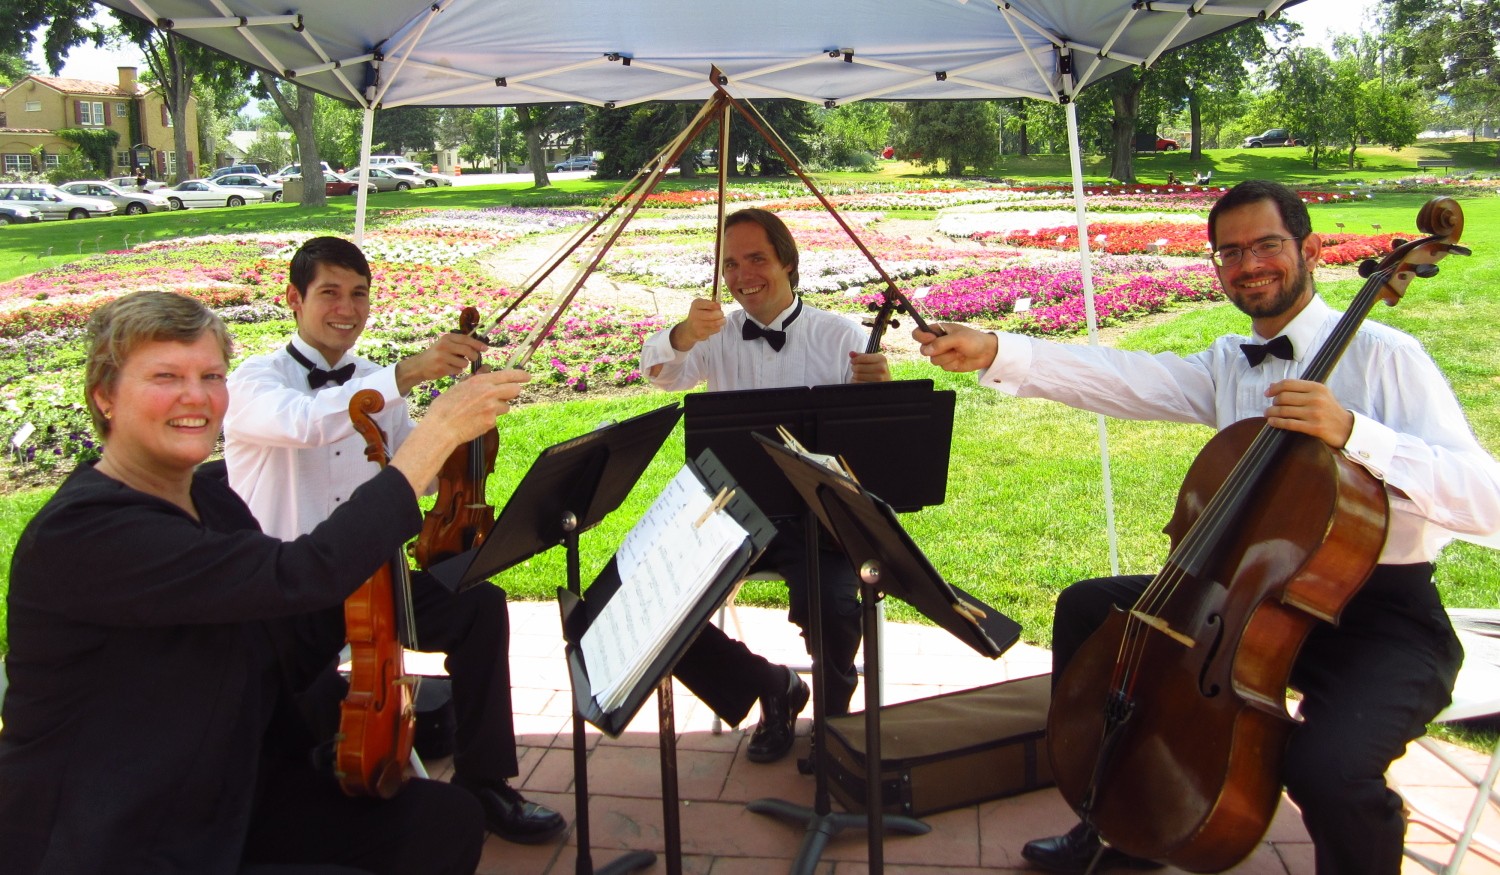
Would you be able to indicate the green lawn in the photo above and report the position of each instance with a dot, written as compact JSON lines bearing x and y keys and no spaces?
{"x":1024,"y":513}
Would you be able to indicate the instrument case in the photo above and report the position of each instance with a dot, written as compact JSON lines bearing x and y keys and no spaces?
{"x":947,"y":751}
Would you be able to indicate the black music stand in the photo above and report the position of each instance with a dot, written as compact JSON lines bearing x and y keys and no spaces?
{"x":887,"y":560}
{"x":569,"y":489}
{"x":579,"y":613}
{"x":864,"y":423}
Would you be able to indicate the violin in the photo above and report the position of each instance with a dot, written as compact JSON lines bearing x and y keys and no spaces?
{"x":1168,"y":728}
{"x":461,"y":516}
{"x":377,"y":719}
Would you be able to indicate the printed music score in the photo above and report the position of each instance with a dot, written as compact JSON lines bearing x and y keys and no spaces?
{"x":666,"y":563}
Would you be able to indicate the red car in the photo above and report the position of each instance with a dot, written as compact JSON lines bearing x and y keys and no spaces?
{"x":1164,"y":145}
{"x":334,"y":184}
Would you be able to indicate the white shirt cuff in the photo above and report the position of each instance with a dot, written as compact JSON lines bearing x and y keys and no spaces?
{"x":1012,"y":362}
{"x":1371,"y":445}
{"x":658,"y":350}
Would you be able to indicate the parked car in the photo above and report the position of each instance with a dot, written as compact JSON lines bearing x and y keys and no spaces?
{"x":237,"y":168}
{"x":577,"y":162}
{"x":54,"y":203}
{"x":202,"y":193}
{"x":334,"y":184}
{"x":130,"y":201}
{"x":15,"y":214}
{"x":128,"y":183}
{"x":384,"y":180}
{"x":1164,"y":144}
{"x":295,"y":170}
{"x":253,"y":181}
{"x":418,"y":176}
{"x":387,"y":160}
{"x":1272,"y":137}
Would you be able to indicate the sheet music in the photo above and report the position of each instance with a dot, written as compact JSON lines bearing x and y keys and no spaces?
{"x":665,"y":565}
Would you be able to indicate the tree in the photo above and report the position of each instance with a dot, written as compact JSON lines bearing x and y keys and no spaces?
{"x":63,"y":24}
{"x":852,"y":134}
{"x":297,"y":104}
{"x":406,"y":128}
{"x":1205,"y":73}
{"x":957,"y":133}
{"x":13,"y":68}
{"x":1450,"y":46}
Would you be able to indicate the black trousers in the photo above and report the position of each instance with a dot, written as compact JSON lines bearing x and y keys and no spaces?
{"x":303,"y":824}
{"x":473,"y":629}
{"x":729,"y":677}
{"x":1369,"y":687}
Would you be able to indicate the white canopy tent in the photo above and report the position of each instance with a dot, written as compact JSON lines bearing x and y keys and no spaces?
{"x":615,"y":53}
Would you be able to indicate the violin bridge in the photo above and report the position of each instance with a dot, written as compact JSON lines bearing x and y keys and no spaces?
{"x":1161,"y":626}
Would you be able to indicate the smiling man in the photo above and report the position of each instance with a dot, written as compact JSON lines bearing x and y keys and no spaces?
{"x":774,"y":340}
{"x":1370,"y":684}
{"x":293,"y":456}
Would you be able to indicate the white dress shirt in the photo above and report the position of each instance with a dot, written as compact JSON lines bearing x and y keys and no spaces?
{"x":816,"y":353}
{"x":1409,"y":430}
{"x":292,"y":452}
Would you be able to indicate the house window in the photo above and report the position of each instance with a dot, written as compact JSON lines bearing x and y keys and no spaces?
{"x":171,"y":163}
{"x":122,"y":158}
{"x":91,"y":113}
{"x":33,"y":106}
{"x":50,"y":160}
{"x":17,"y":163}
{"x":122,"y":110}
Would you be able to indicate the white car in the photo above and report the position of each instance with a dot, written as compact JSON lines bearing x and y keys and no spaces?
{"x":128,"y":183}
{"x":130,"y":201}
{"x":253,"y":181}
{"x":202,"y":193}
{"x":54,"y":203}
{"x":418,"y":176}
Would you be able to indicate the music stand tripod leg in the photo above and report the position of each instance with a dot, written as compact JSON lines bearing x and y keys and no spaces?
{"x":822,"y":823}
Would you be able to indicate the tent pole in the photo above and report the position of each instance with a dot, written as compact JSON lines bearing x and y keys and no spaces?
{"x":1086,"y":271}
{"x":362,"y":195}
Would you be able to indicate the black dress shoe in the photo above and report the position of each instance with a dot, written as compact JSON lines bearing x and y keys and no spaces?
{"x":777,"y":729}
{"x":512,"y":818}
{"x":1074,"y":851}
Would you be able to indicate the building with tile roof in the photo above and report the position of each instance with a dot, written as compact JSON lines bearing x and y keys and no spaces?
{"x":35,"y":108}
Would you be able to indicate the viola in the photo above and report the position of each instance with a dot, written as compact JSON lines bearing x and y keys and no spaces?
{"x":1168,"y":728}
{"x":377,"y":719}
{"x":461,"y":516}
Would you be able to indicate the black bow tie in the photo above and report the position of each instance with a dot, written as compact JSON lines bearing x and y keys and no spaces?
{"x":317,"y":377}
{"x":1255,"y":353}
{"x":775,"y":339}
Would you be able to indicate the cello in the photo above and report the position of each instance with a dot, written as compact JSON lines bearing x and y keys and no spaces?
{"x":461,"y":516}
{"x":1167,"y":729}
{"x":377,"y":719}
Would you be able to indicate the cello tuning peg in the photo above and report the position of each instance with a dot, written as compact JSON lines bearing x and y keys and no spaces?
{"x":1426,"y":271}
{"x":1367,"y":268}
{"x":1397,"y":243}
{"x":1455,"y":249}
{"x":895,"y":324}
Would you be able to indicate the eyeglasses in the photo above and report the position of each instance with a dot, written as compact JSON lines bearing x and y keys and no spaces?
{"x":1229,"y":256}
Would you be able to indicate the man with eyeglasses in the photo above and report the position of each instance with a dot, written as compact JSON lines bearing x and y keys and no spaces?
{"x":1369,"y":685}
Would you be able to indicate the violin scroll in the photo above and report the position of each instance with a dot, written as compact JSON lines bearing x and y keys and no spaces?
{"x":362,"y":409}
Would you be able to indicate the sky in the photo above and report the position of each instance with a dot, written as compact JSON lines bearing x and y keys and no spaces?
{"x":1319,"y":18}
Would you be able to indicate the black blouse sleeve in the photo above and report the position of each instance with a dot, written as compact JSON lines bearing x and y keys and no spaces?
{"x":103,"y":553}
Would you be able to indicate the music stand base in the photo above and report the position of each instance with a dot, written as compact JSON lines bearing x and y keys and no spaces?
{"x":635,"y":861}
{"x":821,"y":828}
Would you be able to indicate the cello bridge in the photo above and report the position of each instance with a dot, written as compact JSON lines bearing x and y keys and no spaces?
{"x":1161,"y":626}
